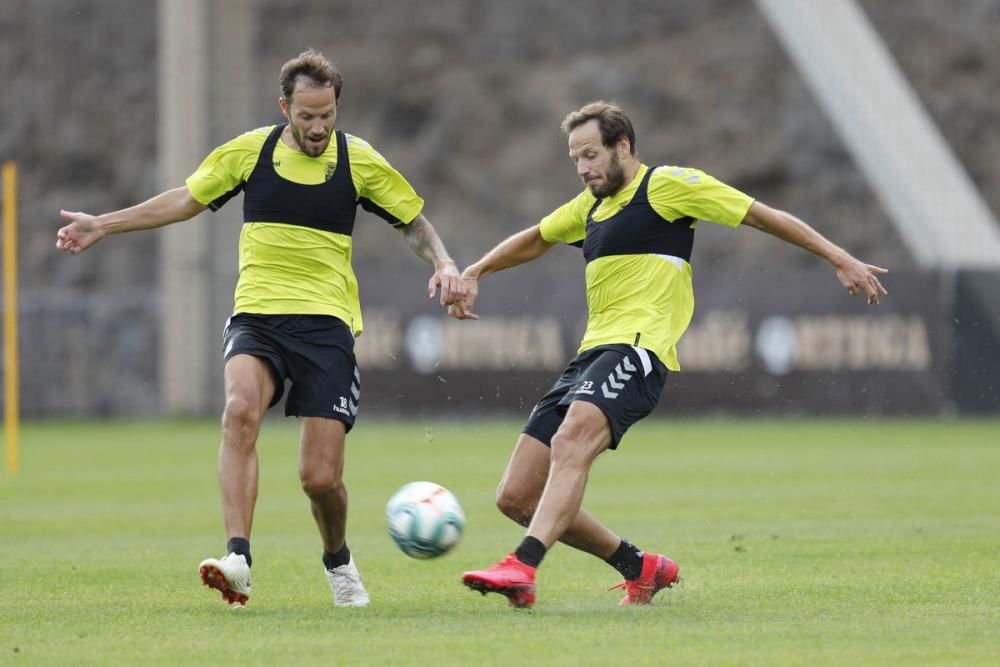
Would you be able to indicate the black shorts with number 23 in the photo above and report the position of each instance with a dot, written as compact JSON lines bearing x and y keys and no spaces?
{"x":625,"y":382}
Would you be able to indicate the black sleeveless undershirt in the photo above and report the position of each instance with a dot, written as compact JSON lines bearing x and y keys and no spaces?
{"x":330,"y":206}
{"x":637,"y":229}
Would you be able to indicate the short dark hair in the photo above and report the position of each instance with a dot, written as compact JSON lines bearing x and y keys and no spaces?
{"x":611,"y":119}
{"x":314,"y":66}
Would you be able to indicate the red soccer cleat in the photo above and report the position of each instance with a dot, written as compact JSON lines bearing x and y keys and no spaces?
{"x":509,"y":577}
{"x":658,"y":572}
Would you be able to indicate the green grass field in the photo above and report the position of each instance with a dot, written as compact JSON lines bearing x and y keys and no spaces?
{"x":800,"y":543}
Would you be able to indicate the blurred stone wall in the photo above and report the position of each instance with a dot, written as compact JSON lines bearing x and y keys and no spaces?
{"x":465,"y":97}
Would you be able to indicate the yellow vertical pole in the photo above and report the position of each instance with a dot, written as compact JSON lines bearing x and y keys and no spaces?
{"x":11,"y":411}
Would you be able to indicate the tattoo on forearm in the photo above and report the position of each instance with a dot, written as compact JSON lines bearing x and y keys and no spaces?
{"x":424,"y":241}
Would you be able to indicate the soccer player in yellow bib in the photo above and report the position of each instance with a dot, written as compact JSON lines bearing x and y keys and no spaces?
{"x":636,"y":225}
{"x":297,"y":311}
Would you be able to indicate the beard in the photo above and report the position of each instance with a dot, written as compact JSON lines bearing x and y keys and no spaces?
{"x":313,"y":149}
{"x":613,"y":181}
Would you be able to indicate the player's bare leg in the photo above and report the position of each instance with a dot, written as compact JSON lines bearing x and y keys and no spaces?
{"x":545,"y":490}
{"x":521,"y":488}
{"x":321,"y":471}
{"x":583,"y":435}
{"x":249,"y":388}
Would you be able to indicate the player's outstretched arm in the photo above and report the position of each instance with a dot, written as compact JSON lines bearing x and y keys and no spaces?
{"x":522,"y":247}
{"x":855,"y":275}
{"x":85,"y":230}
{"x":426,"y":244}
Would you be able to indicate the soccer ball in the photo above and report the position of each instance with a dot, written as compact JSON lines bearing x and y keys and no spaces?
{"x":425,"y":520}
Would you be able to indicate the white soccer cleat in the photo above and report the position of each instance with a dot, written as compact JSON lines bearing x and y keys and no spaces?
{"x":345,"y":582}
{"x":230,"y":576}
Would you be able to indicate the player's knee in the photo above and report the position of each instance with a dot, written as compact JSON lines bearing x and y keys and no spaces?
{"x":241,"y":414}
{"x":319,"y":483}
{"x":515,"y":505}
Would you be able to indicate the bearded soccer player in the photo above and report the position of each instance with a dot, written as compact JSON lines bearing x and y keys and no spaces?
{"x":297,"y":311}
{"x":636,"y":226}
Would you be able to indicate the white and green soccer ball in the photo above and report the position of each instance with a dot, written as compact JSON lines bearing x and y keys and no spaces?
{"x":425,"y":520}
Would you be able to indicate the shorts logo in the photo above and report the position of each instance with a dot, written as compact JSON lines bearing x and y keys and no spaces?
{"x":348,"y":405}
{"x":352,"y":402}
{"x":620,"y":375}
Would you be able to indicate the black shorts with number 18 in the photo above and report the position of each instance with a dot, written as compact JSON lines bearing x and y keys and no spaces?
{"x":314,"y":352}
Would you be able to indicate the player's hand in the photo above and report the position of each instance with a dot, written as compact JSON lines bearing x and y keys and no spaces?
{"x":861,"y":278}
{"x":81,"y":233}
{"x":462,"y":310}
{"x":448,"y":279}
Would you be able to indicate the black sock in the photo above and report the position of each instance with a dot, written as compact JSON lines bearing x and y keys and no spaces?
{"x":627,"y":559}
{"x":342,"y":557}
{"x":241,"y":546}
{"x":531,"y":552}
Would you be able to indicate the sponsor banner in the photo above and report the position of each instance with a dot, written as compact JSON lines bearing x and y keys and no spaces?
{"x":761,"y":342}
{"x":797,"y":343}
{"x":767,"y":342}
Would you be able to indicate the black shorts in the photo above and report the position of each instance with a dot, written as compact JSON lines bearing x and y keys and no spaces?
{"x":314,"y":352}
{"x":625,"y":382}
